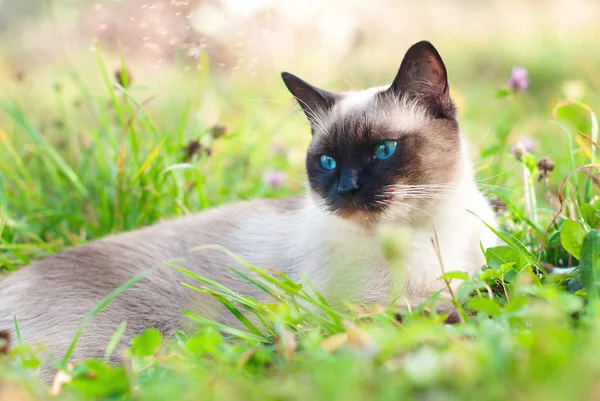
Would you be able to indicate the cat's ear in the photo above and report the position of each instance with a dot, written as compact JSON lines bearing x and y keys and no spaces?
{"x":314,"y":101}
{"x":422,"y":75}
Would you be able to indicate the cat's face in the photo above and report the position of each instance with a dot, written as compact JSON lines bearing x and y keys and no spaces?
{"x":385,"y":153}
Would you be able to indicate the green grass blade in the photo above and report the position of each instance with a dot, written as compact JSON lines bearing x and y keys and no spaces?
{"x":236,"y":312}
{"x":114,"y":340}
{"x":281,"y":281}
{"x":18,"y":115}
{"x":255,"y":283}
{"x":247,"y":303}
{"x":590,"y":266}
{"x":514,"y":244}
{"x":224,"y":328}
{"x":260,"y":311}
{"x":202,"y":279}
{"x":17,"y":329}
{"x":146,"y":165}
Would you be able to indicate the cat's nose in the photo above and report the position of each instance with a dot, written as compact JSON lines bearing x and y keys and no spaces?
{"x":348,"y":183}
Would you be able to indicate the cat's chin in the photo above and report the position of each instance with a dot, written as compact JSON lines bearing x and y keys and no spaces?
{"x":399,"y":216}
{"x":352,"y":214}
{"x":413,"y":214}
{"x":365,"y":218}
{"x":362,"y":213}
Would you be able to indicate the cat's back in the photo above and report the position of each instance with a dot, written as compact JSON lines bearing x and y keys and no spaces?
{"x":263,"y":220}
{"x":222,"y":223}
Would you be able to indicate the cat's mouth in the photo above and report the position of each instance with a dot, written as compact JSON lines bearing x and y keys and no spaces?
{"x":381,"y":208}
{"x":350,"y":208}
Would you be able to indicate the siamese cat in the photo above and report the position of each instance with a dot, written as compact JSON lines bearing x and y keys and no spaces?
{"x":390,"y":155}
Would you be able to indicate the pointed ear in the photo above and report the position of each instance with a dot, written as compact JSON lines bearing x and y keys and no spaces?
{"x":314,"y":101}
{"x":422,"y":75}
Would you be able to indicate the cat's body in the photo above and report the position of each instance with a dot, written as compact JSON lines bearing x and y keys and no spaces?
{"x":329,"y":237}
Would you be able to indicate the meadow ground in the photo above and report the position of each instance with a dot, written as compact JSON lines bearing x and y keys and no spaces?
{"x":95,"y":144}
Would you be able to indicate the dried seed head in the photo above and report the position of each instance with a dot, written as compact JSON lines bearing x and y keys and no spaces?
{"x":58,"y":124}
{"x":545,"y":166}
{"x":193,"y":148}
{"x":453,"y":317}
{"x":123,"y":77}
{"x":398,"y":317}
{"x":218,"y":131}
{"x":4,"y":342}
{"x":498,"y":205}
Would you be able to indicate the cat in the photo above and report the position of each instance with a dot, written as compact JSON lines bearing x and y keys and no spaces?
{"x":390,"y":156}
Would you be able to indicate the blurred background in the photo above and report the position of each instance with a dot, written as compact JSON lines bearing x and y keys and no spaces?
{"x":338,"y":44}
{"x":95,"y":94}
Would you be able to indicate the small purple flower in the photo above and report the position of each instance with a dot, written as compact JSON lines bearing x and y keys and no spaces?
{"x":279,"y":148}
{"x":274,"y":179}
{"x":524,"y":144}
{"x":518,"y":79}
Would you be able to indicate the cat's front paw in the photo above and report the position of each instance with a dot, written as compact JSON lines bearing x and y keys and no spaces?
{"x":452,"y":315}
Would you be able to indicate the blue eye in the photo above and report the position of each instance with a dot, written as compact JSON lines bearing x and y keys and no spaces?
{"x":384,"y":150}
{"x":327,"y":162}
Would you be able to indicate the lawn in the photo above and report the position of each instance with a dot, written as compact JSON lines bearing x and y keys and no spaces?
{"x":94,"y":146}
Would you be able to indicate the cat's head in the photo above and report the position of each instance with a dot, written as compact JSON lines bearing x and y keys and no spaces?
{"x":385,"y":153}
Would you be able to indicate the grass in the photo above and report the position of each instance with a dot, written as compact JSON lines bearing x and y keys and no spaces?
{"x":100,"y":154}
